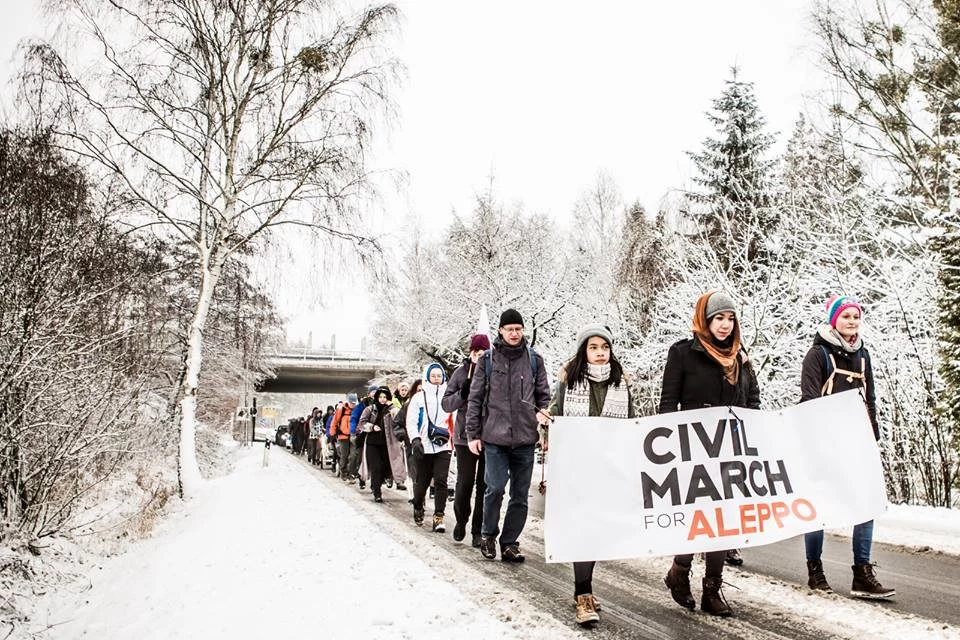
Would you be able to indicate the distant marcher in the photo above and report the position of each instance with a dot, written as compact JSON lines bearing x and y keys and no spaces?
{"x":377,"y":422}
{"x":839,"y":361}
{"x":591,"y":384}
{"x":509,"y":397}
{"x":357,"y":436}
{"x":711,"y":369}
{"x":331,"y":437}
{"x":470,"y":468}
{"x":341,"y":426}
{"x":430,"y":428}
{"x":313,"y":435}
{"x":402,"y":394}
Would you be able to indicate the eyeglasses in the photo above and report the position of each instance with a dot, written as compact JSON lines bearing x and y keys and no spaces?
{"x":520,"y":330}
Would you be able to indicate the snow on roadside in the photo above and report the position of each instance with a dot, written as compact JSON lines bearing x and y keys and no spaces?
{"x":927,"y":528}
{"x":268,"y":551}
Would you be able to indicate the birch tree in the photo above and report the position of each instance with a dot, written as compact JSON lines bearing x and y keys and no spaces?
{"x":225,"y":119}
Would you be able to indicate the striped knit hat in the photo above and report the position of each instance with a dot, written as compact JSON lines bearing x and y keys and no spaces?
{"x":836,"y":305}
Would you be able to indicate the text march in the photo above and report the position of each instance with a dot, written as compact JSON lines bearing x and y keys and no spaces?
{"x":711,"y":479}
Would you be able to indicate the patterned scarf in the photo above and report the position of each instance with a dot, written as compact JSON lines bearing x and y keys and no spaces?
{"x":576,"y":401}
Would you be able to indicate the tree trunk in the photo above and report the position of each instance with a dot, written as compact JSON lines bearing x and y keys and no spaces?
{"x":188,"y":469}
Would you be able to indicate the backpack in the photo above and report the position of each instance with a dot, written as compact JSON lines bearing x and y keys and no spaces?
{"x":488,"y":369}
{"x":341,"y":418}
{"x":832,"y":371}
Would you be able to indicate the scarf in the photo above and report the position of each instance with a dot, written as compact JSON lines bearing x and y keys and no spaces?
{"x":725,"y":356}
{"x":833,"y":337}
{"x":616,"y":404}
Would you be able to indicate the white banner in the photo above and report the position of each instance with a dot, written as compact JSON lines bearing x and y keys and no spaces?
{"x":708,"y":480}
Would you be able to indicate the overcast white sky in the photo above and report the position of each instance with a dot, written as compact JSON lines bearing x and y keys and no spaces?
{"x":543,"y":95}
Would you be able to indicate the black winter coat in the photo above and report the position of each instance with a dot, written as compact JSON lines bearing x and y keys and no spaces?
{"x":814,"y":375}
{"x":694,"y":380}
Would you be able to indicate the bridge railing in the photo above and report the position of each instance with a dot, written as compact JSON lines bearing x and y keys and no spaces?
{"x":330,"y":355}
{"x":323,"y":354}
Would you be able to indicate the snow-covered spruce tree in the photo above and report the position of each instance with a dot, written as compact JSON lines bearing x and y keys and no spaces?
{"x":728,"y":235}
{"x":896,"y":63}
{"x":734,"y":176}
{"x":224,"y":120}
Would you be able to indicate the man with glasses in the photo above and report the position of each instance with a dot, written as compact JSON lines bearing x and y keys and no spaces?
{"x":508,"y":399}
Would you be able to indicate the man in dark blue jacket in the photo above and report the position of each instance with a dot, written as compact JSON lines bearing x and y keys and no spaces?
{"x":508,"y":399}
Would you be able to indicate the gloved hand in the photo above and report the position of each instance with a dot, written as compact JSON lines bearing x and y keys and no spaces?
{"x":416,"y":449}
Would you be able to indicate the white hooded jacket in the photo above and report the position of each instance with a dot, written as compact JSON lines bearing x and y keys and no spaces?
{"x":426,"y":403}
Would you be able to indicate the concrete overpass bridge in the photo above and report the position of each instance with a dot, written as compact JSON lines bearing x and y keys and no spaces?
{"x":325,"y":371}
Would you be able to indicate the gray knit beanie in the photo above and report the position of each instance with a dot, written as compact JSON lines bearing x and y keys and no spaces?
{"x":590,"y":330}
{"x":718,"y":302}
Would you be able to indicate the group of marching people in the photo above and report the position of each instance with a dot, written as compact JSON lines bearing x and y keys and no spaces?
{"x":497,"y":406}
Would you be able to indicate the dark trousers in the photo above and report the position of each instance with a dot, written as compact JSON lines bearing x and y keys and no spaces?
{"x":334,"y":455}
{"x":312,"y":450}
{"x":470,"y":471}
{"x":583,"y":577}
{"x":432,"y":466}
{"x":714,"y":562}
{"x":378,"y":463}
{"x":411,"y":465}
{"x":343,"y":454}
{"x":513,"y":464}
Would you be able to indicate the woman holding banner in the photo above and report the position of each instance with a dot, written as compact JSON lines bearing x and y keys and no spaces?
{"x":591,"y":383}
{"x":838,"y":361}
{"x":710,"y":369}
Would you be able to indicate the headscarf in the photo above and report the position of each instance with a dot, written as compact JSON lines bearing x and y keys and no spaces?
{"x":726,"y":357}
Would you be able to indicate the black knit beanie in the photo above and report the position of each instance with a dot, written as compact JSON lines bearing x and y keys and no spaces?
{"x":511,"y":316}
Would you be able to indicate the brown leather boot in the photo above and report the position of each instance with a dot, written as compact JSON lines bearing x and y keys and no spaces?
{"x":815,"y":578}
{"x":712,"y":600}
{"x":678,"y":581}
{"x":866,"y":585}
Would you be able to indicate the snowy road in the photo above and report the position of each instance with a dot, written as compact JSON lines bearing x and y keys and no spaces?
{"x":772,"y":600}
{"x":288,"y":549}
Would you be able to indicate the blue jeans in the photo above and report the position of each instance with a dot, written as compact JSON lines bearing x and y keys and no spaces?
{"x":502,"y":464}
{"x":862,"y":541}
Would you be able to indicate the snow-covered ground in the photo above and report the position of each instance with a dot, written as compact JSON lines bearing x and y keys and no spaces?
{"x":927,"y":528}
{"x":269,"y":552}
{"x":272,"y":552}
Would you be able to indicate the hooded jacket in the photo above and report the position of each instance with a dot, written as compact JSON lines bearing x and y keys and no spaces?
{"x":425,"y":407}
{"x":814,"y":374}
{"x":510,"y":419}
{"x":694,"y":380}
